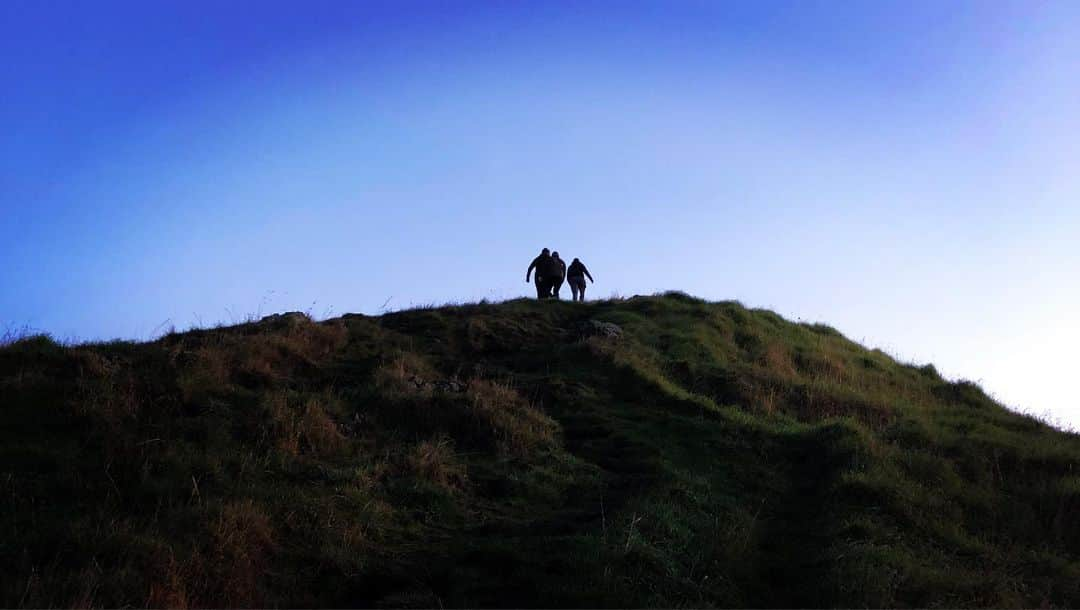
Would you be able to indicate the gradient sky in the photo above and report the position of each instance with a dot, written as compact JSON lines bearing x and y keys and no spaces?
{"x":906,"y":172}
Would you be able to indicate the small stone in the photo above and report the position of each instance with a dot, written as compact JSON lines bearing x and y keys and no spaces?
{"x":596,"y":328}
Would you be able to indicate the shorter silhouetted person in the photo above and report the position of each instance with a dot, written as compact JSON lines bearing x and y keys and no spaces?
{"x":544,"y":266}
{"x":559,"y":274}
{"x":575,"y":276}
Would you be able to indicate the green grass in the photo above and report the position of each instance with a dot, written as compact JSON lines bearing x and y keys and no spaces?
{"x":714,"y":455}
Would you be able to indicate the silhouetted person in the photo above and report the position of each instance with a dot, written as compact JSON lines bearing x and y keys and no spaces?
{"x":575,"y":276}
{"x":558,"y":275}
{"x":544,"y":266}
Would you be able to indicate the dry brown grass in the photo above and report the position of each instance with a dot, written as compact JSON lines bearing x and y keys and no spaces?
{"x":824,"y":363}
{"x":435,"y":461}
{"x":271,"y":354}
{"x":318,"y":340}
{"x":487,"y":334}
{"x":487,"y":410}
{"x":226,"y":571}
{"x":243,"y":541}
{"x":206,"y":372}
{"x":284,"y":424}
{"x":354,"y":536}
{"x":602,"y":347}
{"x":477,"y":333}
{"x":517,"y":426}
{"x":320,"y":433}
{"x":304,"y":428}
{"x":171,"y":588}
{"x":834,"y":368}
{"x":277,"y":354}
{"x":822,"y":400}
{"x":105,"y":391}
{"x":90,"y":364}
{"x":369,"y":476}
{"x":766,"y":397}
{"x":398,"y":379}
{"x":777,"y":359}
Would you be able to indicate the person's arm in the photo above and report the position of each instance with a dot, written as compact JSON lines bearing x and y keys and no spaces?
{"x":529,"y":272}
{"x":587,"y":274}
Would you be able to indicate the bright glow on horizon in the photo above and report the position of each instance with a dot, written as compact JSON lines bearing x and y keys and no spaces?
{"x":902,"y":171}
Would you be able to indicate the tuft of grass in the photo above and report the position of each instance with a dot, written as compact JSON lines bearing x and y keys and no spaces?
{"x":435,"y":461}
{"x":518,"y":427}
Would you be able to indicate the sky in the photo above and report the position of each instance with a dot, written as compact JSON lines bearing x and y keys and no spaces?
{"x":903,"y":171}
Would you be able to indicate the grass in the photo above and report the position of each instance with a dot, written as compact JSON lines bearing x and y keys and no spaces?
{"x":490,"y":455}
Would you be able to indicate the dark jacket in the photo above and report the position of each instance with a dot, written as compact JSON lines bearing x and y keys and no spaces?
{"x":577,"y":269}
{"x":544,"y":265}
{"x":558,"y":268}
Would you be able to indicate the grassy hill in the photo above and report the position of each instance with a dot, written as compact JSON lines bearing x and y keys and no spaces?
{"x":516,"y":455}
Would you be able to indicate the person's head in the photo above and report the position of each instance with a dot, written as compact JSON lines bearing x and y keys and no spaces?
{"x":554,"y":255}
{"x":545,"y":251}
{"x":576,"y":260}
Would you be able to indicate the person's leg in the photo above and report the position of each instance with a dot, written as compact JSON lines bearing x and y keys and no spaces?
{"x":582,"y":289}
{"x":576,"y":285}
{"x":557,"y":287}
{"x":539,"y":288}
{"x":573,"y":290}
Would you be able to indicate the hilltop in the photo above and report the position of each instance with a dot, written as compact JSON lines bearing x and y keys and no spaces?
{"x":652,"y":451}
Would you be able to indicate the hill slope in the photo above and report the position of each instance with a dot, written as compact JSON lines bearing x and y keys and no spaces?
{"x":517,"y":455}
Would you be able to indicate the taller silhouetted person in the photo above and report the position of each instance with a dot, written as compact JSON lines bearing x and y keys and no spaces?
{"x":559,"y":275}
{"x":543,"y":265}
{"x":575,"y":276}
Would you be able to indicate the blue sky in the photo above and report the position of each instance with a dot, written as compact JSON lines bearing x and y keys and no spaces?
{"x":904,"y":171}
